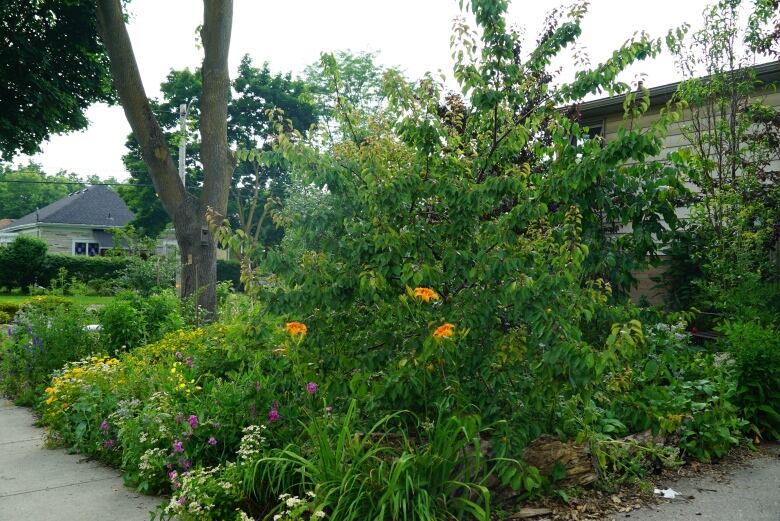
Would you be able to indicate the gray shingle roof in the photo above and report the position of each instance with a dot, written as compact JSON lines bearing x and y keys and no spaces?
{"x":96,"y":206}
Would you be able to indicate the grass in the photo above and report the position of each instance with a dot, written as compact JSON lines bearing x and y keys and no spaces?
{"x":80,"y":299}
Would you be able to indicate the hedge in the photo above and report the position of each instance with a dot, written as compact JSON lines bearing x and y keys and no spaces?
{"x":83,"y":268}
{"x":88,"y":269}
{"x":229,"y":270}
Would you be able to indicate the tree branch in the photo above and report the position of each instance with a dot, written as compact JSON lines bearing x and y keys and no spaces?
{"x":146,"y":129}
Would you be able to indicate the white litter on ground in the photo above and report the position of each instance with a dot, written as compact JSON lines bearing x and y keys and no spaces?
{"x":666,"y":493}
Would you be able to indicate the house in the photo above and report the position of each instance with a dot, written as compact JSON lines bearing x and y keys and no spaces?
{"x":81,"y":224}
{"x":78,"y":224}
{"x":606,"y":116}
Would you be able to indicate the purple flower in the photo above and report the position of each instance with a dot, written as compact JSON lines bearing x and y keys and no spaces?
{"x":178,"y":355}
{"x":212,"y":441}
{"x":179,"y":418}
{"x":188,"y":361}
{"x":273,"y":415}
{"x":186,"y":465}
{"x":104,"y":427}
{"x":172,"y":475}
{"x":181,"y":500}
{"x":311,"y":388}
{"x":109,"y":444}
{"x":10,"y":332}
{"x":193,"y":421}
{"x":178,"y":446}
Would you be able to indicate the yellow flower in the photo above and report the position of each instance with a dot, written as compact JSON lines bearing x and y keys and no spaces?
{"x":443,"y":331}
{"x":296,"y":328}
{"x":50,"y":399}
{"x":426,"y":294}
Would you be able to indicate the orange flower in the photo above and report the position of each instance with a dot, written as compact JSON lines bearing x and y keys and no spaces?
{"x":296,"y":329}
{"x":426,"y":294}
{"x":443,"y":331}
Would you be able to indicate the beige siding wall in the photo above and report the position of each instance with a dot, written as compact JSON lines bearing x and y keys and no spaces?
{"x":675,"y":140}
{"x":60,"y":238}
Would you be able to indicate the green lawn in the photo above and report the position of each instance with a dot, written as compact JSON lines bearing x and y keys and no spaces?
{"x":81,"y":299}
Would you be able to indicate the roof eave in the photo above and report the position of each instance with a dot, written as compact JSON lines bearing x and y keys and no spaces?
{"x":765,"y":72}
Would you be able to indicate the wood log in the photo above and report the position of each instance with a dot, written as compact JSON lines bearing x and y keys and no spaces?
{"x":547,"y":452}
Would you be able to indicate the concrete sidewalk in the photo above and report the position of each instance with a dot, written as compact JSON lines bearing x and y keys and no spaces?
{"x":750,"y":493}
{"x":38,"y":484}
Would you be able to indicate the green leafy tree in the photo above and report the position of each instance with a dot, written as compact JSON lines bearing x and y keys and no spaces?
{"x":480,"y":199}
{"x":733,"y":140}
{"x":251,"y":127}
{"x":28,"y":188}
{"x":21,"y":261}
{"x":52,"y":67}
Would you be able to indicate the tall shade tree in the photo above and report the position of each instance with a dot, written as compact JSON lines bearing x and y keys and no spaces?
{"x":52,"y":67}
{"x":25,"y":189}
{"x":187,"y":211}
{"x":257,"y":93}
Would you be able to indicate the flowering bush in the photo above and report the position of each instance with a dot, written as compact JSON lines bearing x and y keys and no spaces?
{"x":45,"y":335}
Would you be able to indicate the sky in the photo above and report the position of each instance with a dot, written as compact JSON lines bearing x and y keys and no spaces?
{"x":411,"y":34}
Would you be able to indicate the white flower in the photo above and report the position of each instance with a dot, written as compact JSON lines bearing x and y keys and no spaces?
{"x":310,"y":494}
{"x":320,"y":514}
{"x":293,"y":502}
{"x":277,"y":517}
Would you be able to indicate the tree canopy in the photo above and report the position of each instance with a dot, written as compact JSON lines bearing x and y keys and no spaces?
{"x":251,"y":126}
{"x":27,"y":188}
{"x":52,"y":67}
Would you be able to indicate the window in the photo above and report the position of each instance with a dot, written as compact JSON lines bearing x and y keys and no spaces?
{"x":86,"y":248}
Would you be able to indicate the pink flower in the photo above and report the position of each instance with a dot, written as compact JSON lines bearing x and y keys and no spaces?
{"x":212,"y":441}
{"x":181,"y":500}
{"x":104,"y":427}
{"x":273,"y":415}
{"x":188,"y":361}
{"x":186,"y":465}
{"x":109,"y":444}
{"x":178,"y":446}
{"x":179,"y":418}
{"x":193,"y":421}
{"x":172,"y":475}
{"x":311,"y":388}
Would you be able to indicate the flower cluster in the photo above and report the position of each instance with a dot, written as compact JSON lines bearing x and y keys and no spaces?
{"x":252,"y":443}
{"x":444,"y":331}
{"x":207,"y":494}
{"x":296,"y":329}
{"x":294,"y":508}
{"x":426,"y":294}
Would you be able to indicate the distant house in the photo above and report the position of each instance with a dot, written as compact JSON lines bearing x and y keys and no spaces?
{"x":78,"y":224}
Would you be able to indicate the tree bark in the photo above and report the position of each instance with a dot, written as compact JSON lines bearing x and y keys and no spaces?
{"x":196,"y":245}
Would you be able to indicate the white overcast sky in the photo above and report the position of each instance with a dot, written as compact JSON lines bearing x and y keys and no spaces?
{"x":412,"y":34}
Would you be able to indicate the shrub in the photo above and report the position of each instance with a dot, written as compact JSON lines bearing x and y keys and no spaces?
{"x":5,"y":318}
{"x":230,"y":271}
{"x":45,"y":337}
{"x":9,"y":307}
{"x":20,"y":262}
{"x":147,"y":276}
{"x":132,"y":320}
{"x":755,"y":350}
{"x":83,"y":268}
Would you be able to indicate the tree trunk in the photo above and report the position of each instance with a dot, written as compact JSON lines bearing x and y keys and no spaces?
{"x":198,"y":259}
{"x":198,"y":249}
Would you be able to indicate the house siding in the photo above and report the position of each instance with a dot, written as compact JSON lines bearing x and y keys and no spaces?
{"x":675,"y":140}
